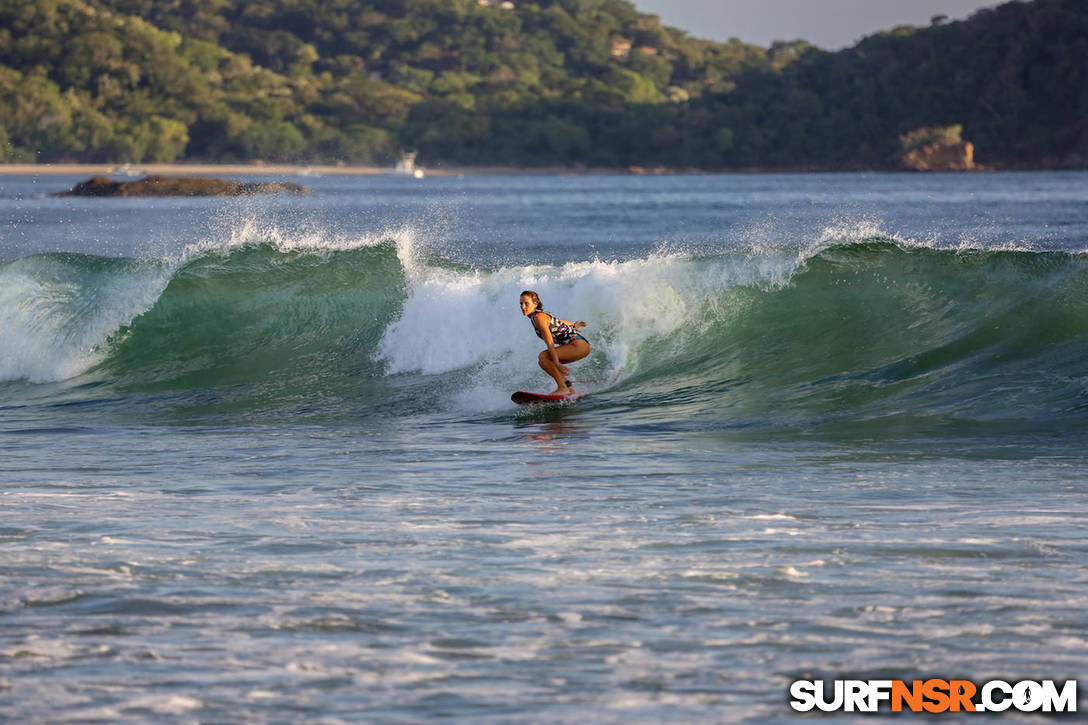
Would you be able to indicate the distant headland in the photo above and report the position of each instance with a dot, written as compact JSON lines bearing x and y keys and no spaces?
{"x":534,"y":84}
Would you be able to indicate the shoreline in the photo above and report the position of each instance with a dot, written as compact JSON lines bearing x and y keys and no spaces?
{"x":140,"y":170}
{"x":183,"y":169}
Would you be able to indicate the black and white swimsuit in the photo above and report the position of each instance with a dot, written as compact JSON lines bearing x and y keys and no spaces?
{"x":562,"y":333}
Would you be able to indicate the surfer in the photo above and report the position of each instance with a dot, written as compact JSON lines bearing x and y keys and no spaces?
{"x":565,"y":343}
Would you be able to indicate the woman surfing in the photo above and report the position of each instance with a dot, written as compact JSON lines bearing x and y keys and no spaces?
{"x":565,"y":343}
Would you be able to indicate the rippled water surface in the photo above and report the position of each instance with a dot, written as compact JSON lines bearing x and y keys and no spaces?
{"x":258,"y":460}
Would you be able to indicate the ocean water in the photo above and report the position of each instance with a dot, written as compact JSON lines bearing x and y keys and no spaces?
{"x":258,"y":461}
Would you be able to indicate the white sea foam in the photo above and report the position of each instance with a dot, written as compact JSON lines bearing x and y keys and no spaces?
{"x":252,"y":232}
{"x":55,"y":320}
{"x":469,"y":320}
{"x":164,"y":704}
{"x":854,"y":230}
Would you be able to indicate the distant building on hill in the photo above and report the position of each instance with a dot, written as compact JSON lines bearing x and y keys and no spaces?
{"x":621,"y":48}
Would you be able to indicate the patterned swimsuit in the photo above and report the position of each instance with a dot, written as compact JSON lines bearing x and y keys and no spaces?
{"x":562,"y":333}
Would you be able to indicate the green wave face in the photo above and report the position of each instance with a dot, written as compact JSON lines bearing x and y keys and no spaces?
{"x":873,"y":338}
{"x":254,"y":330}
{"x":880,"y":334}
{"x":258,"y":312}
{"x":258,"y":334}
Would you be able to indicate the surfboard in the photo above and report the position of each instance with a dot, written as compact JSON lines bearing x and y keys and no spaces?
{"x":523,"y":398}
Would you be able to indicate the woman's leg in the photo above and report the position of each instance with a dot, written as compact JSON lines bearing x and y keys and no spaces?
{"x":556,"y":373}
{"x":568,"y":353}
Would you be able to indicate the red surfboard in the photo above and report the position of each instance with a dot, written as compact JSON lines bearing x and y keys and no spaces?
{"x":523,"y":398}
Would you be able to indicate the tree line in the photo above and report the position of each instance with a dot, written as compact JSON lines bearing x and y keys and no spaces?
{"x":548,"y":82}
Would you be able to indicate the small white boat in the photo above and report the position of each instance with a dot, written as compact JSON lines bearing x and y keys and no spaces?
{"x":407,"y":165}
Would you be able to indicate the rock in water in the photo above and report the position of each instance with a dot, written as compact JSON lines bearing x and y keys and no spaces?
{"x":936,"y":148}
{"x":180,"y":186}
{"x":956,"y":156}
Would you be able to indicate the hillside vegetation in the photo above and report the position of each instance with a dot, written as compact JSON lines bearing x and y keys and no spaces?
{"x":550,"y":82}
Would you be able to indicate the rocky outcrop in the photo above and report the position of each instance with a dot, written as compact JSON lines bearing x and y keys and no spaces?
{"x":936,"y":149}
{"x":643,"y":171}
{"x":958,"y":156}
{"x":180,"y":186}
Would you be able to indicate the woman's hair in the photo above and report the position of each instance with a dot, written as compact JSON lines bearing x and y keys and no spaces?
{"x":535,"y":298}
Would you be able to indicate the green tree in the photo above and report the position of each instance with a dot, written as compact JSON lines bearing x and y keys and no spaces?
{"x":274,"y":141}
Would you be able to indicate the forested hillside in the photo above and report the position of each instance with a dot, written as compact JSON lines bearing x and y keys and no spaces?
{"x":549,"y":82}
